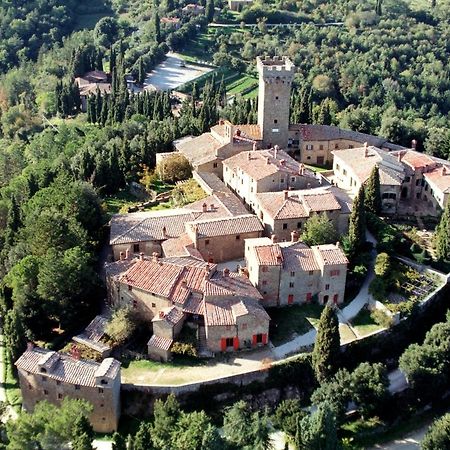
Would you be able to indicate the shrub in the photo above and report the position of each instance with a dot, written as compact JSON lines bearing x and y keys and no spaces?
{"x":121,"y":326}
{"x":183,"y":348}
{"x":381,"y":318}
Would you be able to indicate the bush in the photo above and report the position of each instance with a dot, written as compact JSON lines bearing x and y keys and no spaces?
{"x":381,"y":318}
{"x":121,"y":326}
{"x":183,"y":348}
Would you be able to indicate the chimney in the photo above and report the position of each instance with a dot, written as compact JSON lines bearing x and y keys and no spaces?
{"x":294,"y":236}
{"x":155,"y":257}
{"x":141,"y":256}
{"x":221,"y":122}
{"x":366,"y":150}
{"x":204,"y":207}
{"x":212,"y":207}
{"x":164,"y":232}
{"x":75,"y":352}
{"x":207,"y":271}
{"x":286,"y":194}
{"x":444,"y":171}
{"x":122,"y":256}
{"x":413,"y":144}
{"x":254,"y":147}
{"x":282,"y":162}
{"x":301,"y":169}
{"x":226,"y":272}
{"x":161,"y":314}
{"x":249,"y":156}
{"x":274,"y":238}
{"x":399,"y":156}
{"x":127,"y":254}
{"x":30,"y":346}
{"x":267,"y":160}
{"x":275,"y":151}
{"x":338,"y":244}
{"x":238,"y":132}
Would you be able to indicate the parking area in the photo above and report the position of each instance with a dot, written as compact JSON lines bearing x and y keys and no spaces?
{"x":173,"y":72}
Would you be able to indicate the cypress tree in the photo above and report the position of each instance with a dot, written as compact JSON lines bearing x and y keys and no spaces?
{"x":326,"y":351}
{"x":141,"y":71}
{"x":142,"y":439}
{"x":209,"y":11}
{"x":156,"y":27}
{"x":357,"y":224}
{"x":13,"y":221}
{"x":442,"y":236}
{"x":112,"y":59}
{"x":372,"y":192}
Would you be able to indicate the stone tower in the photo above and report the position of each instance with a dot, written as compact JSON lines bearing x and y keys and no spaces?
{"x":274,"y":96}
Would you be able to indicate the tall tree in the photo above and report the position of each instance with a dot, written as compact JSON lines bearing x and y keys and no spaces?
{"x":209,"y":11}
{"x":357,"y":224}
{"x":326,"y":351}
{"x":119,"y":442}
{"x":237,"y":423}
{"x":319,"y":229}
{"x":372,"y":198}
{"x":442,"y":236}
{"x":438,"y":435}
{"x":142,"y":439}
{"x":156,"y":27}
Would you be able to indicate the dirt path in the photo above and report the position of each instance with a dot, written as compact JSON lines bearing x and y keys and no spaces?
{"x":409,"y":442}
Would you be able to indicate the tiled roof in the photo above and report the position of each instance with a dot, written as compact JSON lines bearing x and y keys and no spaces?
{"x":362,"y":161}
{"x":171,"y":315}
{"x":224,"y":313}
{"x":249,"y":131}
{"x":439,"y":178}
{"x":148,"y":226}
{"x":299,"y":256}
{"x":298,"y":203}
{"x":92,"y":88}
{"x":65,"y":368}
{"x":180,"y":247}
{"x":227,"y":226}
{"x":415,"y":160}
{"x":231,"y":285}
{"x":93,"y":334}
{"x":326,"y":133}
{"x":259,"y":164}
{"x":269,"y":255}
{"x":195,"y":305}
{"x":200,"y":149}
{"x":160,"y":342}
{"x":331,"y":254}
{"x":218,"y":211}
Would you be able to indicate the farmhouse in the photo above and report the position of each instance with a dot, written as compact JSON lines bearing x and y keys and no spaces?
{"x":52,"y":376}
{"x":289,"y":273}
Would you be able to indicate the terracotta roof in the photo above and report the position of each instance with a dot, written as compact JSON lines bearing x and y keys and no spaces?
{"x":362,"y":162}
{"x":171,"y":315}
{"x":331,"y":254}
{"x":269,"y":255}
{"x":180,"y":247}
{"x":64,"y":368}
{"x":218,"y":211}
{"x":174,"y":20}
{"x":250,"y":131}
{"x":195,"y":305}
{"x":439,"y":178}
{"x":200,"y":149}
{"x":231,"y":285}
{"x":227,"y":226}
{"x":93,"y":334}
{"x":299,"y":256}
{"x":415,"y":160}
{"x":298,"y":203}
{"x":224,"y":313}
{"x":92,"y":88}
{"x":259,"y":164}
{"x":148,"y":226}
{"x":327,"y":132}
{"x":160,"y":342}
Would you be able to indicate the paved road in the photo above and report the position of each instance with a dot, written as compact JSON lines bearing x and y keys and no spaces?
{"x":409,"y":442}
{"x":233,"y":25}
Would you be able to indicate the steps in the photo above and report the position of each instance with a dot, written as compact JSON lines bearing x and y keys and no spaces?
{"x":203,"y":351}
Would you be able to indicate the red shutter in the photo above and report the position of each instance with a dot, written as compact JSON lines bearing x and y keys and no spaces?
{"x":236,"y":343}
{"x":223,"y":344}
{"x":254,"y":339}
{"x":308,"y":296}
{"x":290,"y":299}
{"x":336,"y":298}
{"x":264,"y":339}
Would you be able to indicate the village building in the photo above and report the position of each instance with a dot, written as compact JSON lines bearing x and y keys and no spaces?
{"x":288,"y":273}
{"x":314,"y":144}
{"x":252,"y":172}
{"x":52,"y":376}
{"x":239,"y":5}
{"x":172,"y":22}
{"x":285,"y":211}
{"x":207,"y":151}
{"x":193,"y":9}
{"x":352,"y":168}
{"x":169,"y":291}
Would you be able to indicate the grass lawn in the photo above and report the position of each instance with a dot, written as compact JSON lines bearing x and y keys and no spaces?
{"x":199,"y":49}
{"x":316,"y":168}
{"x":292,"y":321}
{"x":364,"y":324}
{"x":10,"y":382}
{"x":116,"y":202}
{"x":346,"y":333}
{"x":241,"y":84}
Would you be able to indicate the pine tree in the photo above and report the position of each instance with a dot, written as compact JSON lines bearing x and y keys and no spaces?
{"x":142,"y":439}
{"x":209,"y":11}
{"x":372,"y":199}
{"x":119,"y":442}
{"x":442,"y":236}
{"x":357,"y":224}
{"x":82,"y":442}
{"x":327,"y":346}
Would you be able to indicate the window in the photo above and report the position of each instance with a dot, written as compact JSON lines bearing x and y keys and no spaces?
{"x":60,"y":396}
{"x":44,"y":379}
{"x":291,"y":284}
{"x":264,"y":269}
{"x":407,"y":179}
{"x":58,"y":383}
{"x":292,"y":179}
{"x":276,"y":97}
{"x":320,"y":147}
{"x":275,"y":121}
{"x":309,"y":147}
{"x":229,"y":342}
{"x":244,"y":326}
{"x":308,"y":297}
{"x":259,"y":338}
{"x":215,"y":165}
{"x":334,"y":273}
{"x":45,"y":392}
{"x":418,"y":195}
{"x":104,"y":382}
{"x":290,"y":299}
{"x":311,"y":272}
{"x":327,"y":287}
{"x":338,"y":167}
{"x":299,"y":225}
{"x":136,"y":248}
{"x":153,"y":305}
{"x":282,"y":180}
{"x":350,"y":146}
{"x":284,"y":226}
{"x":336,"y":146}
{"x":308,"y":157}
{"x":426,"y":187}
{"x":30,"y":387}
{"x":207,"y":242}
{"x":238,"y":237}
{"x":77,"y":387}
{"x":101,"y":405}
{"x":344,"y":172}
{"x":134,"y":304}
{"x":292,"y":274}
{"x":100,"y":390}
{"x":264,"y":282}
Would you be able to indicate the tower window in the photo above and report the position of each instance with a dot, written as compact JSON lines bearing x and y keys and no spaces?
{"x":275,"y":121}
{"x":276,"y":98}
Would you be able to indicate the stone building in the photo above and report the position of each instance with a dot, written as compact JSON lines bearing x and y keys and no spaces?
{"x":239,"y":5}
{"x":282,"y":212}
{"x":207,"y":151}
{"x":352,"y":168}
{"x":169,"y":291}
{"x":314,"y":144}
{"x":252,"y":172}
{"x":51,"y":376}
{"x":274,"y":96}
{"x":289,"y":273}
